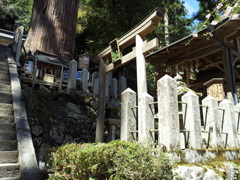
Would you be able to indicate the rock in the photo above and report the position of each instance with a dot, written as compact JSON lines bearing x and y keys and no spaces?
{"x":58,"y":109}
{"x":56,"y":135}
{"x":89,"y":120}
{"x":36,"y":130}
{"x":73,"y":108}
{"x":70,"y":123}
{"x":77,"y":140}
{"x":32,"y":120}
{"x":67,"y":139}
{"x":43,"y":156}
{"x":74,"y":115}
{"x":230,"y":155}
{"x":37,"y":141}
{"x":175,"y":158}
{"x":211,"y":174}
{"x":196,"y":173}
{"x":230,"y":170}
{"x":83,"y":117}
{"x":193,"y":156}
{"x":27,"y":92}
{"x":93,"y":126}
{"x":42,"y":91}
{"x":91,"y":112}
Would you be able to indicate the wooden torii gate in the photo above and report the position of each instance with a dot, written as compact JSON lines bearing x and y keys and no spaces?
{"x":112,"y":58}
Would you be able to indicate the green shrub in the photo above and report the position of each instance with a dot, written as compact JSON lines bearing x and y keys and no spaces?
{"x":116,"y":160}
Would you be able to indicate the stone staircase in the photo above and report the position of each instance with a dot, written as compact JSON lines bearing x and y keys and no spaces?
{"x":9,"y":165}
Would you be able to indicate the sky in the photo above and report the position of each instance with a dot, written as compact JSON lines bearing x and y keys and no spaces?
{"x":192,"y":6}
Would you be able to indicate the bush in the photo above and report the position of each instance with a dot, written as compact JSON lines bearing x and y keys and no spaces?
{"x":116,"y":160}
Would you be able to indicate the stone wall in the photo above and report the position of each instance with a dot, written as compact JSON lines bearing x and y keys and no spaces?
{"x":58,"y":118}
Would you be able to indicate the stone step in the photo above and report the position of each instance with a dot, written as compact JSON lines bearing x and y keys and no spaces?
{"x":4,"y":66}
{"x":8,"y":83}
{"x":6,"y":120}
{"x":6,"y":91}
{"x":3,"y":63}
{"x":5,"y":82}
{"x":11,"y":178}
{"x":4,"y":69}
{"x":2,"y":86}
{"x":6,"y":106}
{"x":4,"y":72}
{"x":8,"y":126}
{"x":4,"y":59}
{"x":10,"y":145}
{"x":5,"y":100}
{"x":4,"y":76}
{"x":10,"y":170}
{"x":6,"y":94}
{"x":8,"y":156}
{"x":6,"y":112}
{"x":7,"y":135}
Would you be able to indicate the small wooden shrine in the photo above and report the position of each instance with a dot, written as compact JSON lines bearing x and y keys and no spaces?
{"x":203,"y":58}
{"x":44,"y":69}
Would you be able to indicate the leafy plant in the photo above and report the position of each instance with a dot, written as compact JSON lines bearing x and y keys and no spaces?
{"x":12,"y":11}
{"x":115,"y":160}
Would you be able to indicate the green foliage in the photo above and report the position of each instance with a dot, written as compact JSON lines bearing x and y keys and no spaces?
{"x":209,"y":7}
{"x":15,"y":11}
{"x":151,"y":73}
{"x":115,"y":160}
{"x":205,"y":7}
{"x":105,"y":21}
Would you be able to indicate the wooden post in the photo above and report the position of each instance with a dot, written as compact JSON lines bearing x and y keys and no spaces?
{"x":61,"y":78}
{"x":141,"y":67}
{"x":101,"y":103}
{"x":34,"y":73}
{"x":19,"y":44}
{"x":229,"y":73}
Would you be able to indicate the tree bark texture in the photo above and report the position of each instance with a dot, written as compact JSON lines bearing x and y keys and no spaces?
{"x":53,"y":28}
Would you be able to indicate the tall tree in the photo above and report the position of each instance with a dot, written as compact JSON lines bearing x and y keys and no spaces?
{"x":205,"y":7}
{"x":12,"y":11}
{"x":53,"y":28}
{"x":106,"y":20}
{"x":176,"y":25}
{"x":210,"y":10}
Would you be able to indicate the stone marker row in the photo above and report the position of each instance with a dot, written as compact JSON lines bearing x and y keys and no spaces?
{"x":219,"y":127}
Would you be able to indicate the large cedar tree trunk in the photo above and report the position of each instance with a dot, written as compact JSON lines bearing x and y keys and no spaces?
{"x":53,"y":28}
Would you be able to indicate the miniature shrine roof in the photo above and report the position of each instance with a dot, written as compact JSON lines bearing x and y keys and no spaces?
{"x":48,"y":58}
{"x":208,"y":49}
{"x":204,"y":55}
